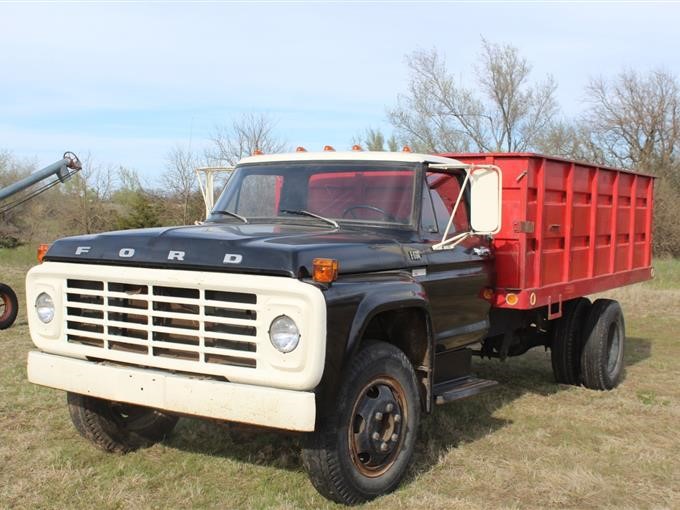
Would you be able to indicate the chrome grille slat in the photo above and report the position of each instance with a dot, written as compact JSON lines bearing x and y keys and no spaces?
{"x":174,"y":325}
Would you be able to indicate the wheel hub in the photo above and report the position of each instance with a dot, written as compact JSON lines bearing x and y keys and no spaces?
{"x":377,"y":432}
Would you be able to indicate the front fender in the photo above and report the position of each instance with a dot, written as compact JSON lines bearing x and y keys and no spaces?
{"x":352,"y":302}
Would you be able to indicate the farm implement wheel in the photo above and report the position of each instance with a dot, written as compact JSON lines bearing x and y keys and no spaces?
{"x":9,"y":306}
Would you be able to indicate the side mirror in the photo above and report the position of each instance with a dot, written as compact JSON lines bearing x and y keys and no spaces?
{"x":486,"y":186}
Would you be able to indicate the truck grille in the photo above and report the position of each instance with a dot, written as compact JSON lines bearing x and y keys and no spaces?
{"x":203,"y":326}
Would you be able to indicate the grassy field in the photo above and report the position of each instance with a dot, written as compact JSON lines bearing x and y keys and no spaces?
{"x":529,"y":444}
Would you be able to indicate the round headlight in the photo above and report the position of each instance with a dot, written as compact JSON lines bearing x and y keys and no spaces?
{"x":44,"y":307}
{"x":284,"y":334}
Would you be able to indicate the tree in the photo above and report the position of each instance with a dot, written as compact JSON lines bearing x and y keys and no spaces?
{"x":374,"y":140}
{"x":87,"y":208}
{"x":142,"y":214}
{"x":438,"y":114}
{"x":245,"y":135}
{"x":181,"y":186}
{"x":635,"y":120}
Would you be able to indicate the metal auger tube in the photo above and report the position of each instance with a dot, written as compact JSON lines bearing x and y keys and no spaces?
{"x":62,"y":169}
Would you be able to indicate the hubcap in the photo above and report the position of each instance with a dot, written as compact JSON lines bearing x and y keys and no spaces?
{"x":378,"y":426}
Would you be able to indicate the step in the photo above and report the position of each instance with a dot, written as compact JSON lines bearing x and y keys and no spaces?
{"x":463,"y":387}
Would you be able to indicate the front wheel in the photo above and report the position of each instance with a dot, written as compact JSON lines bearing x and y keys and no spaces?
{"x":117,"y":427}
{"x":363,"y":448}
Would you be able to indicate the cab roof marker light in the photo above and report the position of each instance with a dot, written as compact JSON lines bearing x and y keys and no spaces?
{"x":328,"y":148}
{"x":300,"y":149}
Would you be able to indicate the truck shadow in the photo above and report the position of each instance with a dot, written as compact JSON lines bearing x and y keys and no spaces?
{"x":451,"y":425}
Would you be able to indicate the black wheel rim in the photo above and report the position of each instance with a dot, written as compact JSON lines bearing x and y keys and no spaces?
{"x":377,"y":426}
{"x":613,"y":349}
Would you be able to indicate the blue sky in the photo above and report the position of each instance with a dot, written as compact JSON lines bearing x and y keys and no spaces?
{"x":127,"y":81}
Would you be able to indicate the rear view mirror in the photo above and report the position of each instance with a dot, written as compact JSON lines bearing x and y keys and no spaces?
{"x":485,"y":200}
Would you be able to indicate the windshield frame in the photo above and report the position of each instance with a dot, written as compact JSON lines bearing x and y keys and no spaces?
{"x":233,"y":187}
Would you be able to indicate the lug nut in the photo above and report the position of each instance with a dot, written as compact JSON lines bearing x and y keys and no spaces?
{"x":375,"y":436}
{"x":383,"y":447}
{"x":397,"y":418}
{"x":378,"y":416}
{"x":389,"y":408}
{"x":394,"y":438}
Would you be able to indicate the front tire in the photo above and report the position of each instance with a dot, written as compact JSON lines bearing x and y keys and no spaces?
{"x":602,"y":357}
{"x":362,"y":449}
{"x":116,"y":427}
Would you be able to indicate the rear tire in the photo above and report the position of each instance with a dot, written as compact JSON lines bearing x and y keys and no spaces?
{"x":116,"y":427}
{"x":602,"y":357}
{"x":567,"y":341}
{"x":9,"y":306}
{"x":363,"y":447}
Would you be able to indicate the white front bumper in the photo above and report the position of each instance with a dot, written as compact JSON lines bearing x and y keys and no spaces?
{"x":257,"y":405}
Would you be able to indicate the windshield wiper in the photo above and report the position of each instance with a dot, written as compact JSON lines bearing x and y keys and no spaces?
{"x":302,"y":212}
{"x":232,"y":214}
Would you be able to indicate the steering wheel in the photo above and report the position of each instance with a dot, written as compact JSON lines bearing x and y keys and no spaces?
{"x":350,"y":210}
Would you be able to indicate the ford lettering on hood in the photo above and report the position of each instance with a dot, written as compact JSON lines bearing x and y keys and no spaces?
{"x":276,"y":249}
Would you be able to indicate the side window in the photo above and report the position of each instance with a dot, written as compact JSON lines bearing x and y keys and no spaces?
{"x":428,"y":219}
{"x":445,"y":189}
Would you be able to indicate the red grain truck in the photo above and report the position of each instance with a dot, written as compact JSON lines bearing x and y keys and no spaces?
{"x":342,"y":295}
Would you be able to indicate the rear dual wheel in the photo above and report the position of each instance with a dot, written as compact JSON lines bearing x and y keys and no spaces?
{"x":602,"y":356}
{"x":588,"y":344}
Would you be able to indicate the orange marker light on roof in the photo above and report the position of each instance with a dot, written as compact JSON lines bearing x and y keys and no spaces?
{"x":328,"y":148}
{"x":406,"y":149}
{"x":257,"y":152}
{"x":300,"y":149}
{"x":357,"y":148}
{"x":324,"y":270}
{"x":42,"y":250}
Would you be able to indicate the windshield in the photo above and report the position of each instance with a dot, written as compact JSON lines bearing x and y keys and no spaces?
{"x":344,"y":191}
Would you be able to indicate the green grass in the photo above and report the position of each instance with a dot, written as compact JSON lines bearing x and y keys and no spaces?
{"x":667,"y":274}
{"x":529,"y":444}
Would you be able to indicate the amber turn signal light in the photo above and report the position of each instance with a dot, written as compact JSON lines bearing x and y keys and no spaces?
{"x":325,"y":270}
{"x":42,"y":250}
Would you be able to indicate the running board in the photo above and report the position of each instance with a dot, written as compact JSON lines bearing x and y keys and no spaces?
{"x":461,"y":388}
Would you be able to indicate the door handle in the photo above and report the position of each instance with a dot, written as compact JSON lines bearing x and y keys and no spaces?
{"x":482,"y":251}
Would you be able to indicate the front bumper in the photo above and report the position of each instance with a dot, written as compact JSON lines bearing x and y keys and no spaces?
{"x":256,"y":405}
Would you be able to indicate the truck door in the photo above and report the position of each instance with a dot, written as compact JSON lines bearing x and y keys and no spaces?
{"x":455,"y":277}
